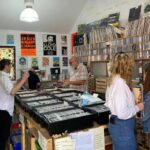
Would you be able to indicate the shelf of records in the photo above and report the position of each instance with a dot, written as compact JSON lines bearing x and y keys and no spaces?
{"x":102,"y":34}
{"x":137,"y":47}
{"x":59,"y":110}
{"x":134,"y":28}
{"x":138,"y":27}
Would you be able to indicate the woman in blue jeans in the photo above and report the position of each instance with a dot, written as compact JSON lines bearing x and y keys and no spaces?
{"x":121,"y":102}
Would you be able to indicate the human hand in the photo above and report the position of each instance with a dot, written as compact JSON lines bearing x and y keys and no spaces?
{"x":140,"y":106}
{"x":66,"y":82}
{"x":138,"y":94}
{"x":25,"y":76}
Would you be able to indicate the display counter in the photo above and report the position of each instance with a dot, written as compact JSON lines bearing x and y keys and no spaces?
{"x":56,"y":111}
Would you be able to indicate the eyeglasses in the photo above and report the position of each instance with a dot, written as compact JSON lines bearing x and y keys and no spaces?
{"x":121,"y":54}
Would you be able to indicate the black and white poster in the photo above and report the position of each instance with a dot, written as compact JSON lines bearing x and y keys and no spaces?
{"x":49,"y":44}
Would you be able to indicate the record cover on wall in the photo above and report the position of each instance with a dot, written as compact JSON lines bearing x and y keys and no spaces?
{"x":64,"y":40}
{"x":10,"y":39}
{"x":55,"y":61}
{"x":23,"y":62}
{"x":45,"y":61}
{"x":49,"y":44}
{"x":34,"y":63}
{"x":64,"y":71}
{"x":64,"y":50}
{"x":65,"y":61}
{"x":28,"y":44}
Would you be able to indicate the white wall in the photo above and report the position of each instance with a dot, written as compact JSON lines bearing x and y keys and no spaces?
{"x":39,"y":48}
{"x":98,"y":9}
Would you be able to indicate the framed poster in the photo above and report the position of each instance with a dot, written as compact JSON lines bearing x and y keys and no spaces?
{"x":49,"y":44}
{"x":8,"y":52}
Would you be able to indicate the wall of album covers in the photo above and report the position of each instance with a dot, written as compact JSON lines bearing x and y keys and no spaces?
{"x":95,"y":10}
{"x":48,"y":50}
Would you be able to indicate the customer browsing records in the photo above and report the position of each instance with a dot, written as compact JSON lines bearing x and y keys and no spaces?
{"x":78,"y":75}
{"x":7,"y":92}
{"x":121,"y":102}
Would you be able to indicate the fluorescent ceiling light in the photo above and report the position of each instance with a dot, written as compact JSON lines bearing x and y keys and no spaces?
{"x":29,"y":14}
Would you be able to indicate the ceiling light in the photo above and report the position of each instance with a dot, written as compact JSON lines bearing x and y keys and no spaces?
{"x":29,"y":14}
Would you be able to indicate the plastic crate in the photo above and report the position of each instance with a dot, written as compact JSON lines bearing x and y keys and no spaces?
{"x":15,"y":140}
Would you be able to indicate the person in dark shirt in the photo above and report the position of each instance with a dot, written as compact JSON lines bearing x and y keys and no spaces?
{"x":33,"y":80}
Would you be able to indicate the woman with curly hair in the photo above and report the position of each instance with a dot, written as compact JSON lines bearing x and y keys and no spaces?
{"x":121,"y":102}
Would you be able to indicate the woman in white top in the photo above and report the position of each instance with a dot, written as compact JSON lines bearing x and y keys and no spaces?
{"x":121,"y":102}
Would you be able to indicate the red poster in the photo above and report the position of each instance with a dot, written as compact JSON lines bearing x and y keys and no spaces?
{"x":28,"y":46}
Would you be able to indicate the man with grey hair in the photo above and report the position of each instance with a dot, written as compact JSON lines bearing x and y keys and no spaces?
{"x":78,"y":75}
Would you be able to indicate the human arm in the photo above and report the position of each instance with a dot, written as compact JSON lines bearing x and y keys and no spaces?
{"x":18,"y":85}
{"x":76,"y":82}
{"x":123,"y":101}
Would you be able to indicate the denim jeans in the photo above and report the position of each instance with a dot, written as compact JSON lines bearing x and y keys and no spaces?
{"x":122,"y":133}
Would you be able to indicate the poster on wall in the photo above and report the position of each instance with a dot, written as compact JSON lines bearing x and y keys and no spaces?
{"x":65,"y":61}
{"x":55,"y":61}
{"x":64,"y":50}
{"x":8,"y":52}
{"x":28,"y":45}
{"x":63,"y":40}
{"x":10,"y":39}
{"x":34,"y":63}
{"x":49,"y":44}
{"x":45,"y":61}
{"x":23,"y":62}
{"x":65,"y":71}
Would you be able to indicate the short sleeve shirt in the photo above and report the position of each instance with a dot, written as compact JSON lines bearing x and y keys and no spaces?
{"x":6,"y":99}
{"x":79,"y":74}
